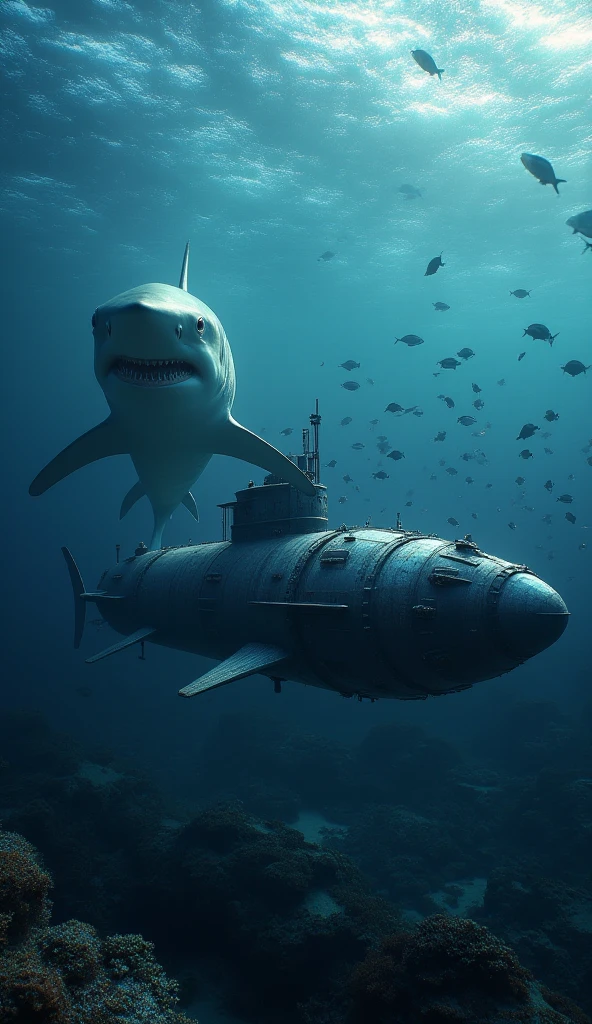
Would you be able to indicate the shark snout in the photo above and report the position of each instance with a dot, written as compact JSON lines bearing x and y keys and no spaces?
{"x":147,"y":346}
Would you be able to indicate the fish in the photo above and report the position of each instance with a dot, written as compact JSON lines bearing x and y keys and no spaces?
{"x":434,"y":265}
{"x":345,"y":421}
{"x":467,"y":421}
{"x":512,"y":526}
{"x":347,"y":479}
{"x":408,"y":504}
{"x":451,"y":471}
{"x":502,"y":382}
{"x":381,"y":475}
{"x":581,"y":223}
{"x":350,"y":385}
{"x":383,"y":447}
{"x":412,"y":340}
{"x":287,"y":431}
{"x":357,"y":446}
{"x":566,"y":499}
{"x":350,"y":364}
{"x":369,"y":380}
{"x":583,"y":545}
{"x":328,"y":255}
{"x":417,"y":412}
{"x":540,"y":333}
{"x":450,"y":363}
{"x":469,"y":480}
{"x":381,"y":437}
{"x":574,"y":367}
{"x":374,"y":423}
{"x":165,"y":366}
{"x":395,"y":455}
{"x":332,"y":464}
{"x":342,"y":500}
{"x":427,"y":63}
{"x":476,"y":388}
{"x":525,"y":454}
{"x":394,"y":407}
{"x":550,"y":416}
{"x":440,"y":306}
{"x":520,"y":293}
{"x":452,"y":521}
{"x":479,"y":403}
{"x":440,"y":436}
{"x":570,"y":517}
{"x":410,"y":191}
{"x":521,"y":356}
{"x":548,"y":451}
{"x":519,"y":480}
{"x":527,"y":431}
{"x":548,"y":485}
{"x":540,"y":168}
{"x":487,"y":486}
{"x":466,"y":353}
{"x":449,"y":401}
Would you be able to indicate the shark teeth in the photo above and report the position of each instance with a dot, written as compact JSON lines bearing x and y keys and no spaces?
{"x":152,"y":372}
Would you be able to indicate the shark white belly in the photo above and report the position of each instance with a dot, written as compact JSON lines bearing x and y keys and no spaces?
{"x":165,"y":366}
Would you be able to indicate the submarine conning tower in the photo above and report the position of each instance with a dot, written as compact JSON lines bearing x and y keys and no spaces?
{"x":276,"y":509}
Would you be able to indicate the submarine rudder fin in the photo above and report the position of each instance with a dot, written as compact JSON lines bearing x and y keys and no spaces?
{"x":248,"y":660}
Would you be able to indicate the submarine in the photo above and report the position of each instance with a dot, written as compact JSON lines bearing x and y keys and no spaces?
{"x":365,"y":612}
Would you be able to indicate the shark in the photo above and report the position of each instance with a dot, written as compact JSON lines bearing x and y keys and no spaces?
{"x":165,"y":366}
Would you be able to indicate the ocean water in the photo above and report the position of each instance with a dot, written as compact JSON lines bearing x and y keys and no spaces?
{"x":268,"y":133}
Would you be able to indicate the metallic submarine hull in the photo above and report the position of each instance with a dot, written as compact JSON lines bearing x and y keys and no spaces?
{"x":364,"y":612}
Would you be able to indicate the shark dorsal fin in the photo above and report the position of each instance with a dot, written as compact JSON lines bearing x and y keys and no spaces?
{"x":184,"y":269}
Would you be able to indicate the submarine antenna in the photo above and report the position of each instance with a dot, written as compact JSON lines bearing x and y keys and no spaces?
{"x":315,"y":422}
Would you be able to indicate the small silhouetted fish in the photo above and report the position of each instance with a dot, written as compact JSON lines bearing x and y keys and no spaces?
{"x":450,"y":363}
{"x":581,"y":223}
{"x":467,"y":456}
{"x":434,"y":265}
{"x":502,"y":382}
{"x":571,"y":476}
{"x":440,"y":436}
{"x":476,"y":388}
{"x":395,"y":455}
{"x":349,"y":364}
{"x":548,"y":485}
{"x":525,"y":454}
{"x":574,"y":367}
{"x":583,"y":545}
{"x":487,"y":486}
{"x":546,"y":434}
{"x":565,"y":498}
{"x":452,"y":521}
{"x":410,"y":191}
{"x":408,"y":504}
{"x":469,"y":480}
{"x":394,"y":407}
{"x":369,"y":380}
{"x":512,"y":526}
{"x":474,"y":515}
{"x":570,"y":517}
{"x":286,"y":431}
{"x":466,"y":353}
{"x":383,"y":447}
{"x":342,"y":500}
{"x":521,"y":356}
{"x":467,"y":421}
{"x":418,"y":412}
{"x":540,"y":168}
{"x":449,"y":401}
{"x":346,"y":421}
{"x":479,"y":403}
{"x":519,"y":480}
{"x":427,"y":63}
{"x":451,"y":471}
{"x":357,"y":447}
{"x":548,"y":451}
{"x":381,"y":475}
{"x":520,"y":293}
{"x":440,"y":306}
{"x":328,"y":255}
{"x":350,"y":385}
{"x":550,"y":415}
{"x":332,"y":464}
{"x":540,"y":333}
{"x":373,"y":423}
{"x":411,"y":340}
{"x":347,"y":479}
{"x":527,"y":431}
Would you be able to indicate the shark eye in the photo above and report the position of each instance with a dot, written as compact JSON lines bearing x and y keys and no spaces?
{"x":178,"y":330}
{"x":200,"y":325}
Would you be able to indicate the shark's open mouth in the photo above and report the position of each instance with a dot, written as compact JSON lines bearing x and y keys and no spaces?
{"x":152,"y":372}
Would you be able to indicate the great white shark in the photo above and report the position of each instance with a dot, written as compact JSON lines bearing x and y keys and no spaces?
{"x":164,"y":364}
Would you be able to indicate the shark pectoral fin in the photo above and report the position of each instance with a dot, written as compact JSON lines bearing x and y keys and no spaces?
{"x":189,"y":503}
{"x":133,"y":495}
{"x":240,"y":443}
{"x":245,"y":662}
{"x":98,"y":443}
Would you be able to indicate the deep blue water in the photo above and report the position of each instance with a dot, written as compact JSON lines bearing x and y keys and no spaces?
{"x":267,"y":133}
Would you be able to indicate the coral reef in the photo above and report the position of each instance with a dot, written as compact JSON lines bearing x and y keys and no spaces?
{"x":65,"y":974}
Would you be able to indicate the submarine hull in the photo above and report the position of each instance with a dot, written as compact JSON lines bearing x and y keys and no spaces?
{"x":363,"y":612}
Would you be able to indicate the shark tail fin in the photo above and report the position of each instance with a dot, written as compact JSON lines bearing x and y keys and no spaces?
{"x":238,"y":442}
{"x":98,"y":443}
{"x":184,"y":269}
